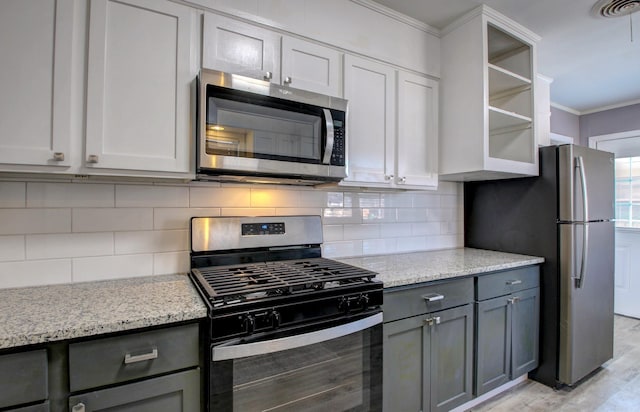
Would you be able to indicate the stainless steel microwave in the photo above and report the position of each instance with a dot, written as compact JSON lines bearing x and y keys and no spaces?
{"x":253,"y":131}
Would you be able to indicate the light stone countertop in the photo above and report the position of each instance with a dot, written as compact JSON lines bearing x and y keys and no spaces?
{"x":42,"y":314}
{"x":416,"y":267}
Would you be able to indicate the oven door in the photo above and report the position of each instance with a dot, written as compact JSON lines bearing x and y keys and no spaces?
{"x":334,"y":368}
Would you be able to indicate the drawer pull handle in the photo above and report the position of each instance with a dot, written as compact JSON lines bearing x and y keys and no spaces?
{"x":141,"y":358}
{"x":78,"y":407}
{"x":432,"y":297}
{"x":513,"y":282}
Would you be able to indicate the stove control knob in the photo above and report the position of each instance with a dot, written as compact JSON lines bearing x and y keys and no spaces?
{"x":275,"y":319}
{"x":249,"y":324}
{"x":343,"y":304}
{"x":363,"y":301}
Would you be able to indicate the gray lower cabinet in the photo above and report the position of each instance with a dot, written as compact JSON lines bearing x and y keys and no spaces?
{"x":171,"y":393}
{"x":428,"y":357}
{"x":23,"y":380}
{"x":507,"y":327}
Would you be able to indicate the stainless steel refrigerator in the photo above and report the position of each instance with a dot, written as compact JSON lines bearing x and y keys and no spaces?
{"x":566,"y":216}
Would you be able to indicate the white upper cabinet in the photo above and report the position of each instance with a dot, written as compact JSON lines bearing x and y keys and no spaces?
{"x":235,"y":47}
{"x":489,"y":125}
{"x":241,"y":48}
{"x":392,"y":127}
{"x":139,"y":87}
{"x":35,"y":79}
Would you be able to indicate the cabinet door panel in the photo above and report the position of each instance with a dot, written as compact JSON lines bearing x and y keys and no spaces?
{"x":493,"y":344}
{"x":35,"y":104}
{"x":417,"y":147}
{"x":170,"y":393}
{"x":370,"y":90}
{"x":525,"y":332}
{"x":139,"y":94}
{"x":236,"y":47}
{"x":311,"y":66}
{"x":451,"y":358}
{"x":405,"y":346}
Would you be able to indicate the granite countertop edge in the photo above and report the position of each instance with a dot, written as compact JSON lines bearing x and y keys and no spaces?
{"x":419,"y":267}
{"x":47,"y":314}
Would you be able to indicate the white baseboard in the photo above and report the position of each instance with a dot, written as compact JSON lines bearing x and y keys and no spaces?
{"x":490,"y":394}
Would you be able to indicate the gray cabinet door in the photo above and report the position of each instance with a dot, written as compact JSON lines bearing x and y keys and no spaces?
{"x":178,"y":392}
{"x":451,"y":358}
{"x":493,"y":344}
{"x":525,"y":332}
{"x":405,"y":344}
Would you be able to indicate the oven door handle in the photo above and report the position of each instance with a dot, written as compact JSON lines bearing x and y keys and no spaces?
{"x":220,"y":353}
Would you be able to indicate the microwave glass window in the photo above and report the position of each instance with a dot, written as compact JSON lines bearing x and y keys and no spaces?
{"x":248,"y":130}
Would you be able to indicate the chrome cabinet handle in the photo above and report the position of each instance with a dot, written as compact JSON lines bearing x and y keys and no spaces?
{"x":288,"y":80}
{"x":513,"y":282}
{"x":58,"y":156}
{"x":268,"y":76}
{"x":432,"y":297}
{"x":78,"y":407}
{"x":433,"y":321}
{"x":128,"y":358}
{"x":92,"y":159}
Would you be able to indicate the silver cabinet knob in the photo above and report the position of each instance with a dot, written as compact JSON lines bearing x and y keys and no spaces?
{"x":92,"y":159}
{"x":403,"y":179}
{"x":388,"y":177}
{"x":268,"y":76}
{"x":432,"y":321}
{"x":288,"y":80}
{"x":58,"y":156}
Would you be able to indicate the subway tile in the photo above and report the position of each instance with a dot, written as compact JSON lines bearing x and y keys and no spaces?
{"x":35,"y":273}
{"x":165,"y":218}
{"x":379,"y":246}
{"x":171,"y":263}
{"x":254,"y":211}
{"x":441,"y":214}
{"x":355,"y":232}
{"x":449,"y":188}
{"x":449,"y":201}
{"x":28,"y":221}
{"x":342,"y":249}
{"x":426,"y":199}
{"x":332,"y":233}
{"x":12,"y":194}
{"x":219,"y":197}
{"x":69,"y":195}
{"x":296,"y":211}
{"x":445,"y":242}
{"x":112,"y":219}
{"x":451,"y":228}
{"x":395,"y":230}
{"x":274,"y":198}
{"x":111,"y":267}
{"x":312,"y":198}
{"x":11,"y":248}
{"x":365,"y":200}
{"x":412,"y":244}
{"x":151,"y":196}
{"x":151,"y":241}
{"x":335,"y":199}
{"x":69,"y":245}
{"x":339,"y":216}
{"x":406,"y":214}
{"x":370,"y":215}
{"x":425,"y":228}
{"x":396,"y":199}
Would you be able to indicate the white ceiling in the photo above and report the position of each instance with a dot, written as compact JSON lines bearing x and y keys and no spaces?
{"x":592,"y":60}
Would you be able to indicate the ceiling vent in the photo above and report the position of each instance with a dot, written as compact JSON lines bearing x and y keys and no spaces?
{"x":615,"y":8}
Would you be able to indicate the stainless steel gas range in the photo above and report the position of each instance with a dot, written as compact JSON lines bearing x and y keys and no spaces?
{"x":288,"y":330}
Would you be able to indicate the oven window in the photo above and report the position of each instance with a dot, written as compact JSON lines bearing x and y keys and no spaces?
{"x":342,"y":374}
{"x":244,"y":129}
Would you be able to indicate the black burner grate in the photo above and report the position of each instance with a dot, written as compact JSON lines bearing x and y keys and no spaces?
{"x":277,"y":278}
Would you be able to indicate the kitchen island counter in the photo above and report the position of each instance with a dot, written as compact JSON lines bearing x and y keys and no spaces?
{"x":410,"y":268}
{"x":41,"y":314}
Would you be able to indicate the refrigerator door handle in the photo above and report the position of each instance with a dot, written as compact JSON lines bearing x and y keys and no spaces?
{"x":579,"y":281}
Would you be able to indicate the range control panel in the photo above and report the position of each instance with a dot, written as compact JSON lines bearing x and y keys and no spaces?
{"x":253,"y":229}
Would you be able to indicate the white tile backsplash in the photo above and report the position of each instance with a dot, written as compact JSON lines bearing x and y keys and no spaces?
{"x":52,"y":232}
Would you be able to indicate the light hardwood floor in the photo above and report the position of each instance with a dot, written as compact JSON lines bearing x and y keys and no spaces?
{"x":615,"y":387}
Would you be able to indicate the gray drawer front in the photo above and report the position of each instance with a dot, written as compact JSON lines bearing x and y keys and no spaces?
{"x":23,"y":377}
{"x":42,"y":407}
{"x":503,"y":283}
{"x":102,"y":361}
{"x":411,"y":301}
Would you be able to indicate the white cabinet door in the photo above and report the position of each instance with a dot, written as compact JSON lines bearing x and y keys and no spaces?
{"x":236,"y":47}
{"x":35,"y":80}
{"x":370,"y":90}
{"x":417,"y":140}
{"x":312,"y":67}
{"x":140,"y":74}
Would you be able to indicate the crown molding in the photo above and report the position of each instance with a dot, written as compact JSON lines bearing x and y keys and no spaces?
{"x":403,"y":18}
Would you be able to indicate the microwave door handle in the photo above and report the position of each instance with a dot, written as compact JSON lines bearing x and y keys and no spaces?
{"x":328,"y":147}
